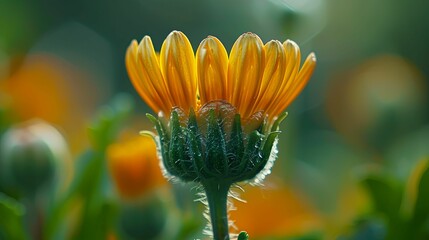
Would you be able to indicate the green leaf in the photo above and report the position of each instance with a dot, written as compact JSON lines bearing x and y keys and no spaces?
{"x":6,"y":118}
{"x":11,"y":220}
{"x":421,"y":208}
{"x":188,"y":228}
{"x":92,"y":177}
{"x":109,"y":119}
{"x":386,"y":195}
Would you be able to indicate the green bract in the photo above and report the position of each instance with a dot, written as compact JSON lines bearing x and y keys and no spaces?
{"x":214,"y":144}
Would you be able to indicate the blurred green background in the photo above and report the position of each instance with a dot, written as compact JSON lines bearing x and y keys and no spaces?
{"x":352,"y":156}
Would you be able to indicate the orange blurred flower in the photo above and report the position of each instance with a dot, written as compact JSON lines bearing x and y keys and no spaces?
{"x":377,"y":100}
{"x":48,"y":88}
{"x":278,"y":211}
{"x":134,"y":166}
{"x":352,"y":202}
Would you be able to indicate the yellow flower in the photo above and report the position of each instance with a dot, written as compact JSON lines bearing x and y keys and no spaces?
{"x":134,"y":167}
{"x":227,"y":139}
{"x":255,"y":77}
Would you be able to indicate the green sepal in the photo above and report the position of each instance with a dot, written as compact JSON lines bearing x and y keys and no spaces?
{"x":182,"y":159}
{"x":164,"y":140}
{"x":277,"y":122}
{"x":216,"y":158}
{"x":152,"y":118}
{"x":192,"y":121}
{"x":194,"y":147}
{"x":164,"y":124}
{"x":268,"y":144}
{"x":196,"y":155}
{"x":235,"y":145}
{"x":264,"y":154}
{"x":250,"y":156}
{"x":263,"y":125}
{"x":209,"y":146}
{"x":162,"y":132}
{"x":161,"y":128}
{"x":176,"y":152}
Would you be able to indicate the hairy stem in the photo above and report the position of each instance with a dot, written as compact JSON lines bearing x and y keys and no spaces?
{"x":217,"y":197}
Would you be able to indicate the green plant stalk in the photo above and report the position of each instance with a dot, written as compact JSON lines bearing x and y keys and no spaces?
{"x":217,"y":198}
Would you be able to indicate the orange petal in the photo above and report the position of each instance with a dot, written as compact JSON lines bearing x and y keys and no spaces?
{"x":178,"y":68}
{"x":274,"y":71}
{"x":245,"y":69}
{"x":140,"y":81}
{"x":293,"y":58}
{"x":301,"y":80}
{"x":298,"y":84}
{"x":212,"y":65}
{"x":147,"y":58}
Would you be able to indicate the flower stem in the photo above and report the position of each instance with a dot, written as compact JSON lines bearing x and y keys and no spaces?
{"x":217,"y":197}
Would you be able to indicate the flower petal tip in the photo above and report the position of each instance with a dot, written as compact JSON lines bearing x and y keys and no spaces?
{"x":313,"y":57}
{"x":176,"y":34}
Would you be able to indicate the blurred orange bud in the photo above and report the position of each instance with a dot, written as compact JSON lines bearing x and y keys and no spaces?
{"x":278,"y":211}
{"x":134,"y":166}
{"x":378,"y":100}
{"x":352,"y":202}
{"x":112,"y":236}
{"x":49,"y":88}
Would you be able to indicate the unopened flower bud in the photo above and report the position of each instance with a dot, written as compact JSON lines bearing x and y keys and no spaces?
{"x":143,"y":219}
{"x":30,"y":153}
